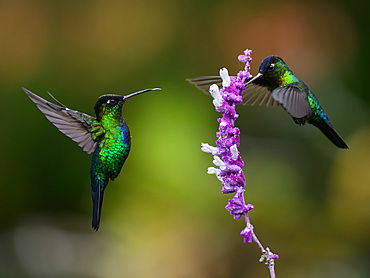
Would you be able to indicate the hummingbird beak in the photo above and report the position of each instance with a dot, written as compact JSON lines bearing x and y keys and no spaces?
{"x":138,"y":93}
{"x":254,"y":78}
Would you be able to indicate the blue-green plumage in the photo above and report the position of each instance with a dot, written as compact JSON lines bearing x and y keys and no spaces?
{"x":276,"y":85}
{"x":295,"y":97}
{"x":107,"y":136}
{"x":107,"y":161}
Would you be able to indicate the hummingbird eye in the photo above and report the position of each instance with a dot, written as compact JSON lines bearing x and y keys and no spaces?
{"x":271,"y":67}
{"x":111,"y":101}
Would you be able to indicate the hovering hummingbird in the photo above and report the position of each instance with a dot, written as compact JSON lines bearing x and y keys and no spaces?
{"x":275,"y":85}
{"x":107,"y":135}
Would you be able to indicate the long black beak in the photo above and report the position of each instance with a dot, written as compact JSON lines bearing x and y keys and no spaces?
{"x":254,"y":78}
{"x":139,"y":92}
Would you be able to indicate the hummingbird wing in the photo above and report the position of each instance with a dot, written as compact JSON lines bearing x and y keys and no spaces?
{"x":259,"y":93}
{"x":293,"y":99}
{"x":204,"y":82}
{"x":256,"y":93}
{"x":78,"y":126}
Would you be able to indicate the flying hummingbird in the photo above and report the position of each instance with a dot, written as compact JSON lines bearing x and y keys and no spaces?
{"x":275,"y":85}
{"x":107,"y":136}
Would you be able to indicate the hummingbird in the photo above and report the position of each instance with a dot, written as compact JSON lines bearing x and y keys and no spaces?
{"x":107,"y":136}
{"x":276,"y":85}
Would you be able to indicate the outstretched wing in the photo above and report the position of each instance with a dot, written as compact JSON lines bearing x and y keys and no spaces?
{"x":256,"y":93}
{"x":204,"y":82}
{"x":293,"y":100}
{"x":78,"y":126}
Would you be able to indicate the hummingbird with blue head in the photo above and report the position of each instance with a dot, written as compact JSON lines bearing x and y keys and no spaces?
{"x":107,"y":136}
{"x":276,"y":85}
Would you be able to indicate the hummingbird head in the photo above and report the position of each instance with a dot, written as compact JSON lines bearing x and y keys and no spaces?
{"x":108,"y":104}
{"x":112,"y":104}
{"x":272,"y":68}
{"x":272,"y":65}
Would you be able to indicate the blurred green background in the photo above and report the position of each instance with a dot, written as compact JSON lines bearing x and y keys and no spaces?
{"x":164,"y":216}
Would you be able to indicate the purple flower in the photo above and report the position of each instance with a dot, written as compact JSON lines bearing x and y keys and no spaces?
{"x":247,"y":233}
{"x":237,"y":207}
{"x":246,"y":58}
{"x":226,"y":158}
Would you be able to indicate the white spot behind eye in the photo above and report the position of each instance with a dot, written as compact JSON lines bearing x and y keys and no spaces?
{"x":111,"y":101}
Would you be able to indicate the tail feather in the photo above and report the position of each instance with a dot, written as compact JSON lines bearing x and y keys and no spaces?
{"x":329,"y":131}
{"x":97,"y":197}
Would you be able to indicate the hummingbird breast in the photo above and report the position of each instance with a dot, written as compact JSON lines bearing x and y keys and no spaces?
{"x":111,"y":153}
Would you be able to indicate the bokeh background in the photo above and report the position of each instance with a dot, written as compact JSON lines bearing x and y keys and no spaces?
{"x":164,"y":216}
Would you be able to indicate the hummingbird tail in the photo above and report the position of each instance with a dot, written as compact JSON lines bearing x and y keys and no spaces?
{"x":97,"y":197}
{"x":330,"y":133}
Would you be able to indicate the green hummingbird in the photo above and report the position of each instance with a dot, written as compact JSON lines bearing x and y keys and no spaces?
{"x":276,"y":85}
{"x":106,"y":135}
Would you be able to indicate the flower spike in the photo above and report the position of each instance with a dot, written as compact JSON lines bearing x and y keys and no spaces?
{"x":226,"y":155}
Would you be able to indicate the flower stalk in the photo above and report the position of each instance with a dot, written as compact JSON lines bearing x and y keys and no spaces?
{"x":226,"y":156}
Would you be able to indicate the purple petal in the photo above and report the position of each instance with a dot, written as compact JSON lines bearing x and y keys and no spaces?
{"x":247,"y":233}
